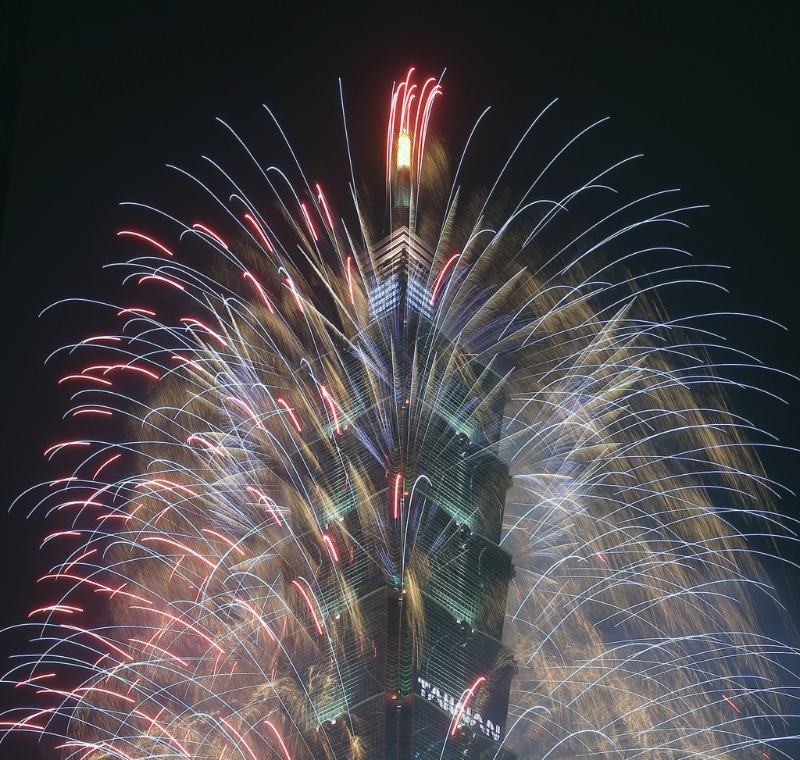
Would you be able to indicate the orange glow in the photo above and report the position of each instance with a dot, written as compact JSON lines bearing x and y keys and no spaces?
{"x":404,"y":151}
{"x":409,"y":115}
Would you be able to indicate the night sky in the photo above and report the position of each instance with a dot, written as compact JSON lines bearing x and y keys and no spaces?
{"x":112,"y":91}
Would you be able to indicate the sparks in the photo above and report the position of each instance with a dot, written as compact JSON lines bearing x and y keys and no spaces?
{"x":310,"y":606}
{"x":148,"y":239}
{"x":261,"y":292}
{"x":321,"y":199}
{"x":350,"y":278}
{"x":505,"y":475}
{"x":331,"y":547}
{"x":292,"y":415}
{"x":161,"y":278}
{"x":398,"y":482}
{"x":310,"y":224}
{"x":331,"y":404}
{"x":438,"y":283}
{"x":462,"y":705}
{"x":259,"y":231}
{"x":213,"y":235}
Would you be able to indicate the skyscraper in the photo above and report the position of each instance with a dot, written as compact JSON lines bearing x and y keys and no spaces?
{"x":433,"y":680}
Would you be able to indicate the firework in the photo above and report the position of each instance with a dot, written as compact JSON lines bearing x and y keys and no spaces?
{"x":327,"y":440}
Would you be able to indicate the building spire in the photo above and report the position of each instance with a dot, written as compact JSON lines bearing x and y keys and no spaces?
{"x":400,"y":262}
{"x":409,"y":115}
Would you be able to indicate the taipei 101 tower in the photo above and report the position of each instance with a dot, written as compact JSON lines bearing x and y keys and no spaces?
{"x":435,"y":681}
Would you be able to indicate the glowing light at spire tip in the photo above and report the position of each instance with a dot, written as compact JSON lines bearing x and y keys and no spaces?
{"x":404,"y":151}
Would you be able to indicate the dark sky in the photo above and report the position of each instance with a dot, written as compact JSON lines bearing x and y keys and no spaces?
{"x":111,"y":91}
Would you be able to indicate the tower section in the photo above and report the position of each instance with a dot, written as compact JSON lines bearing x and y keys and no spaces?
{"x":416,"y":598}
{"x":447,"y":672}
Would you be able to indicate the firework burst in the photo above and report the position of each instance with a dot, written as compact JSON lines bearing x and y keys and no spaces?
{"x":316,"y":456}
